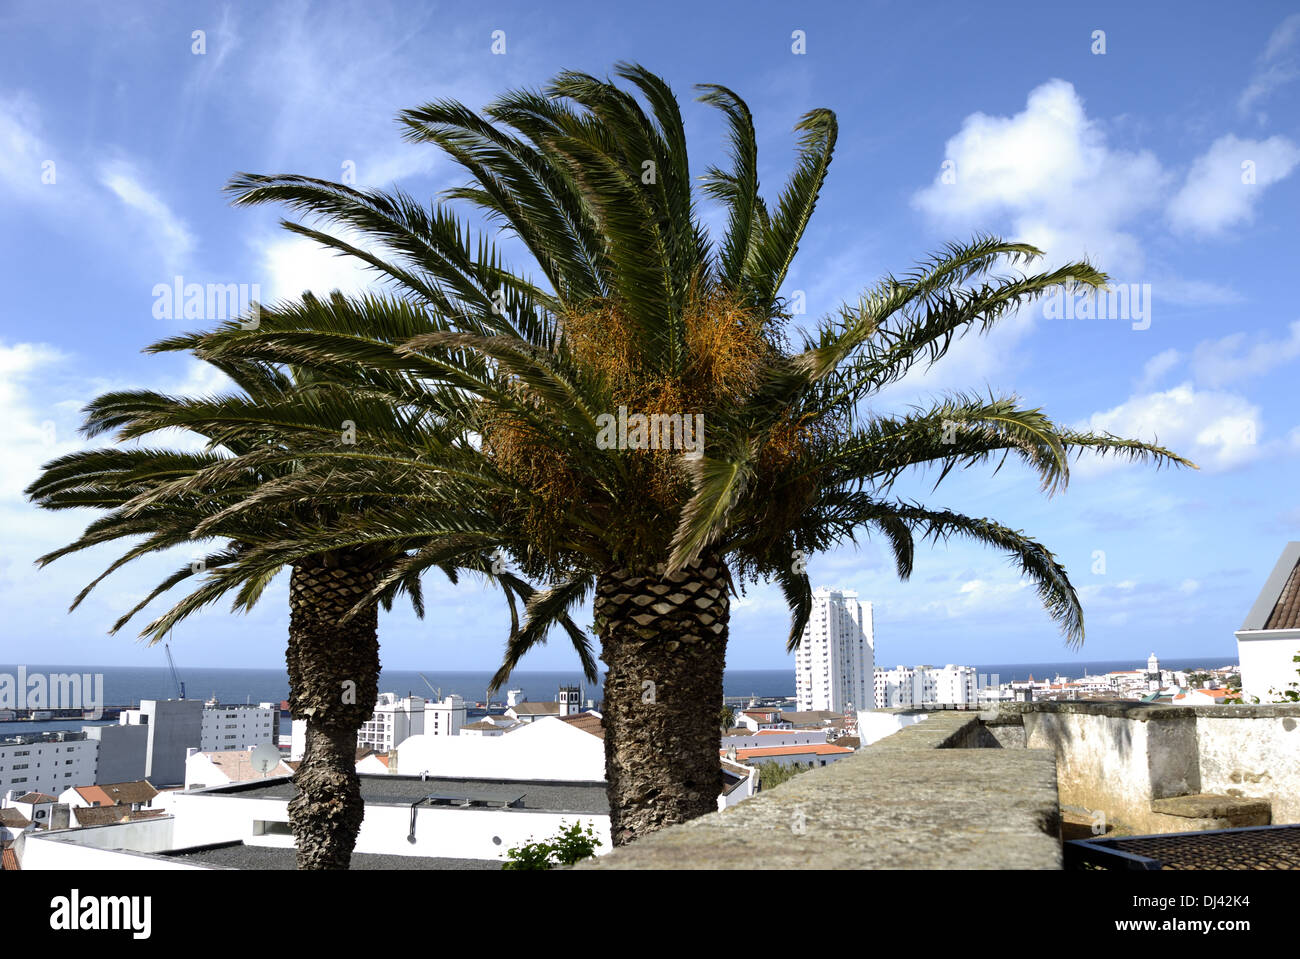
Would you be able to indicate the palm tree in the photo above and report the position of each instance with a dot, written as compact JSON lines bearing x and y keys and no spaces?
{"x":638,"y":310}
{"x":255,"y":443}
{"x":726,"y":718}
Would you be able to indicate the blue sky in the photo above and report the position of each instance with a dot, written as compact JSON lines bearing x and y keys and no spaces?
{"x":1170,"y":159}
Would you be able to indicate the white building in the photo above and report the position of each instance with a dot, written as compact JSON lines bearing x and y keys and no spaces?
{"x":570,"y":749}
{"x":806,"y":754}
{"x":836,"y":660}
{"x":485,"y":727}
{"x":955,"y":684}
{"x":406,"y":819}
{"x":174,"y":726}
{"x":760,"y":719}
{"x":37,"y":807}
{"x":925,"y":686}
{"x":135,"y":795}
{"x":227,"y":728}
{"x":47,"y":763}
{"x":1269,"y":639}
{"x":397,"y":719}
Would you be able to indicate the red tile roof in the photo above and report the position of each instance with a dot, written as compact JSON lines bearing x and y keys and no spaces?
{"x":139,"y":791}
{"x":765,"y":752}
{"x":587,"y":722}
{"x":94,"y":795}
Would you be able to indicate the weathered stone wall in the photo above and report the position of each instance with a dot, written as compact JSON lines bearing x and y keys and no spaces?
{"x":1101,"y":762}
{"x":913,"y":800}
{"x":1260,"y":759}
{"x":1120,"y":758}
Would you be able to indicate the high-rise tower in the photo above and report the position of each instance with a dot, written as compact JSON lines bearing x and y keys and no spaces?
{"x":836,"y":661}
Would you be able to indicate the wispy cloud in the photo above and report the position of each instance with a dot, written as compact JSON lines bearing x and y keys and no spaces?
{"x":1278,"y":65}
{"x":168,"y":232}
{"x":1225,"y":184}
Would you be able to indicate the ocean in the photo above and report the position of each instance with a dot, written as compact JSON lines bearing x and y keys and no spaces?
{"x":127,"y":685}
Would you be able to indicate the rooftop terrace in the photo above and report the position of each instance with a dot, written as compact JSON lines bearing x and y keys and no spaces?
{"x":237,"y":855}
{"x":571,"y":797}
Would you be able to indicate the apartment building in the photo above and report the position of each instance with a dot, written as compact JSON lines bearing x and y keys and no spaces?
{"x":835,"y":663}
{"x":174,"y":727}
{"x":925,"y":686}
{"x":398,"y":718}
{"x":226,"y":728}
{"x":46,"y":762}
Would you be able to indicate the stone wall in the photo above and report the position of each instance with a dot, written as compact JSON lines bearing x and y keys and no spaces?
{"x":1122,"y":758}
{"x":913,"y":800}
{"x":1257,"y":759}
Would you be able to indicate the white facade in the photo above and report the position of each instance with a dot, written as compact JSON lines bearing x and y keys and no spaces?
{"x":208,"y":817}
{"x":905,"y":686}
{"x":835,"y":663}
{"x":39,"y":810}
{"x":1268,"y":666}
{"x":549,"y":749}
{"x":784,"y":737}
{"x":47,"y":766}
{"x":955,"y":684}
{"x":1269,"y":639}
{"x":568,"y":700}
{"x":239,"y":727}
{"x":396,"y":719}
{"x":173,"y":727}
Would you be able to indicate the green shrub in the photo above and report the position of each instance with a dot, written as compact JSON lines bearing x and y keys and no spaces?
{"x":571,"y":844}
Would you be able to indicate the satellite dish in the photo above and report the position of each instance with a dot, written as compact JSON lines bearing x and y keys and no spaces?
{"x":265,"y":758}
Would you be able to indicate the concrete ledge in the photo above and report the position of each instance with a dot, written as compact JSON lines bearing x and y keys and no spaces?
{"x":910,"y":801}
{"x":1143,"y":712}
{"x":1211,"y":811}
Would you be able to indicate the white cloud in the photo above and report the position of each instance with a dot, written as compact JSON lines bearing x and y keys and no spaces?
{"x":21,"y":150}
{"x":1226,"y":182}
{"x":292,"y":265}
{"x":1228,"y":360}
{"x":32,"y":435}
{"x":1216,"y":430}
{"x":1277,"y":66}
{"x":1156,"y":367}
{"x":1051,"y":170}
{"x":169,"y":233}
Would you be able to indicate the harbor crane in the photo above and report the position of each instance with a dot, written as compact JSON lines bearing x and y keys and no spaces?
{"x":171,"y":664}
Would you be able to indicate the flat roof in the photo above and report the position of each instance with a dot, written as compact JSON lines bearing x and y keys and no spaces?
{"x":379,"y":789}
{"x":238,"y":856}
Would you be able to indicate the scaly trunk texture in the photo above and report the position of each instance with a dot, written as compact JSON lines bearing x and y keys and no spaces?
{"x":333,"y":685}
{"x":664,"y":644}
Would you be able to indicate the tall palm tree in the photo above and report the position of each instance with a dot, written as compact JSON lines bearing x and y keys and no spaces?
{"x":638,"y":312}
{"x":255,"y":442}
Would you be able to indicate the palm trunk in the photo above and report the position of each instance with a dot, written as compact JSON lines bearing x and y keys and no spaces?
{"x":333,"y":685}
{"x":664,"y":642}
